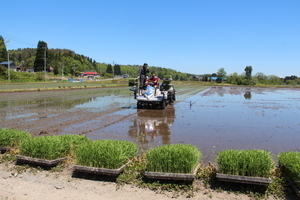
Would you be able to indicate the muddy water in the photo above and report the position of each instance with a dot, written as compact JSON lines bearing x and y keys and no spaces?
{"x":213,"y":119}
{"x":239,"y":118}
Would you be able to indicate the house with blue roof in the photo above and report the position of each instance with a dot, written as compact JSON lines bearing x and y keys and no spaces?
{"x":12,"y":65}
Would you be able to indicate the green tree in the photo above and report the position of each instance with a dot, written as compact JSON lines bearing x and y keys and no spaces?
{"x":221,"y":73}
{"x":40,"y":56}
{"x":3,"y":51}
{"x":261,"y":78}
{"x":109,"y":69}
{"x":236,"y":79}
{"x":290,"y":78}
{"x":248,"y":71}
{"x":117,"y":69}
{"x":3,"y":72}
{"x":101,"y":68}
{"x":275,"y":80}
{"x":248,"y":76}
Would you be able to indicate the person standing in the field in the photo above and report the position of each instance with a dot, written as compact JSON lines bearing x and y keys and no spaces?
{"x":142,"y":75}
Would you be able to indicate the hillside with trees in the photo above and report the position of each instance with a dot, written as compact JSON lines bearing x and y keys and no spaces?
{"x":67,"y":63}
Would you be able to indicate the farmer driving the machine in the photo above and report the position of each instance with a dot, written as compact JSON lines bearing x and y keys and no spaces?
{"x":153,"y":80}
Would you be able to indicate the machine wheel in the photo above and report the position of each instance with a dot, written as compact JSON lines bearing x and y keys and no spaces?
{"x":163,"y":104}
{"x":138,"y":105}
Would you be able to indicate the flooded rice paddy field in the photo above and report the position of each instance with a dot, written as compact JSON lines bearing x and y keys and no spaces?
{"x":211,"y":118}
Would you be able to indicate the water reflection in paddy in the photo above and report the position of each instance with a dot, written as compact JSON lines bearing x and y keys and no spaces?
{"x":216,"y":119}
{"x":239,"y":118}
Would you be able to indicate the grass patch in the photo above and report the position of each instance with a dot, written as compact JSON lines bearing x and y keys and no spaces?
{"x":12,"y":138}
{"x":111,"y":154}
{"x":254,"y":163}
{"x":290,"y":164}
{"x":173,"y":158}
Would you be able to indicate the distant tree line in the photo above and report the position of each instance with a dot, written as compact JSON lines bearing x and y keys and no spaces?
{"x":248,"y":79}
{"x":66,"y":62}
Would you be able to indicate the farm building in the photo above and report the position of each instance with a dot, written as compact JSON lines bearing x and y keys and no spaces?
{"x":12,"y":65}
{"x":89,"y":74}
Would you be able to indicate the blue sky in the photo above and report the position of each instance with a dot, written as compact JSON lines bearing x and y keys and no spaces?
{"x":193,"y":36}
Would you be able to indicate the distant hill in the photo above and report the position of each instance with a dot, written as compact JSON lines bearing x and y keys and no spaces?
{"x":68,"y":62}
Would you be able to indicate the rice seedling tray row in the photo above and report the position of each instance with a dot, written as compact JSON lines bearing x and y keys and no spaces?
{"x":292,"y":184}
{"x":243,"y":179}
{"x":102,"y":171}
{"x":38,"y":161}
{"x":172,"y":176}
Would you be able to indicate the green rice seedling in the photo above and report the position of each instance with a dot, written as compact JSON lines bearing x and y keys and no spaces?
{"x":46,"y":147}
{"x":254,"y":163}
{"x":132,"y":82}
{"x":73,"y":141}
{"x":173,"y":158}
{"x":290,"y":163}
{"x":12,"y":138}
{"x":167,"y":76}
{"x":110,"y":154}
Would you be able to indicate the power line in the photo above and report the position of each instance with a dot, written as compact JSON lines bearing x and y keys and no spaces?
{"x":17,"y":39}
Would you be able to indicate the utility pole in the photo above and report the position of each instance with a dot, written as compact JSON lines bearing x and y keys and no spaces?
{"x":113,"y":69}
{"x":8,"y":67}
{"x":74,"y":70}
{"x":8,"y":64}
{"x":62,"y":71}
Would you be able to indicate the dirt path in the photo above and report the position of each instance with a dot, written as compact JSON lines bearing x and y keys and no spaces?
{"x":40,"y":184}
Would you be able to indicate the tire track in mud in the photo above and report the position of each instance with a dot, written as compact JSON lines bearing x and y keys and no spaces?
{"x":187,"y":92}
{"x":112,"y":123}
{"x":48,"y":117}
{"x":55,"y":122}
